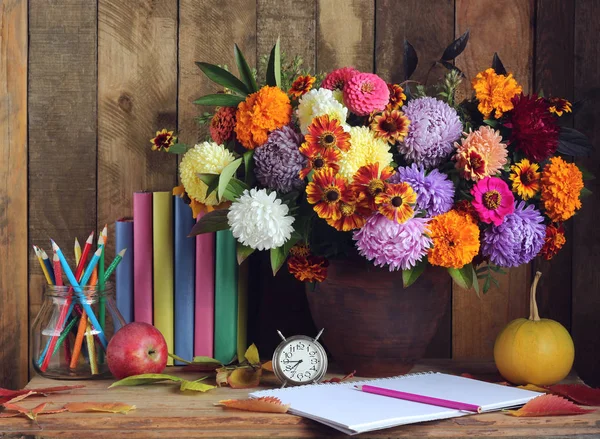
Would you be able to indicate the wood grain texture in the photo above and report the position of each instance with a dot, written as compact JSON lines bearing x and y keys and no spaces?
{"x":208,"y":31}
{"x":13,"y":190}
{"x":427,"y":24}
{"x":586,"y":241}
{"x":291,"y":20}
{"x":350,"y":45}
{"x":137,"y":95}
{"x":164,"y":412}
{"x":476,"y":322}
{"x":62,"y":128}
{"x":553,"y":73}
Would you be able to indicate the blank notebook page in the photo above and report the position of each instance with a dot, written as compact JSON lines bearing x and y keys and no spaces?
{"x":351,"y":411}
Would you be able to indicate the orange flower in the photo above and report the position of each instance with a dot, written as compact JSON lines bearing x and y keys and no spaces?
{"x":319,"y":158}
{"x":397,"y":97}
{"x":327,"y":191}
{"x":353,"y":216}
{"x":396,"y":202}
{"x":369,"y":181}
{"x":554,"y":241}
{"x":559,"y":106}
{"x":262,"y":112}
{"x":455,"y":240}
{"x":327,"y":133}
{"x":525,"y":179}
{"x":562,"y":183}
{"x":300,"y":249}
{"x":465,"y":208}
{"x":301,"y":86}
{"x":163,"y":140}
{"x":494,"y":92}
{"x":308,"y":268}
{"x":391,"y":126}
{"x":196,"y":206}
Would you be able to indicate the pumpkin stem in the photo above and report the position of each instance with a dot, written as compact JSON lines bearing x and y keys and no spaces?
{"x":533,"y":308}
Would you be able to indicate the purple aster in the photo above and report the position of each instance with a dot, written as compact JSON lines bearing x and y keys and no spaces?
{"x":278,"y":161}
{"x":518,"y":239}
{"x":434,"y":127}
{"x":400,"y":246}
{"x":435,"y":192}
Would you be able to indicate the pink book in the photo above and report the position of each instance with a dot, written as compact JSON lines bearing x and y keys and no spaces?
{"x":204,"y":319}
{"x":142,"y":260}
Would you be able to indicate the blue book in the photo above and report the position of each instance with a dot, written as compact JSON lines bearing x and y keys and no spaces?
{"x":185,"y":283}
{"x":124,"y":271}
{"x":226,"y":297}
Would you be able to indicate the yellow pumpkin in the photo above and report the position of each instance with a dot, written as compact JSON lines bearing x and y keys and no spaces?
{"x":534,"y":351}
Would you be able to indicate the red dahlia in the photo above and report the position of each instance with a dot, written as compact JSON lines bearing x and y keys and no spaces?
{"x":534,"y":128}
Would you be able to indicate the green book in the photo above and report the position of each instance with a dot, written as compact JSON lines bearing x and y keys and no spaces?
{"x":242,"y":318}
{"x":226,"y":297}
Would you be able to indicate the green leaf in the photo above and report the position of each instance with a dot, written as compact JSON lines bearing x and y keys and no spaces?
{"x":226,"y":175}
{"x":410,"y":276}
{"x":211,"y":222}
{"x":146,"y":378}
{"x":475,"y":281}
{"x":178,"y":358}
{"x":206,"y":360}
{"x":585,"y":192}
{"x":249,"y":167}
{"x":279,"y":254}
{"x":462,"y":276}
{"x":196,"y":386}
{"x":486,"y":284}
{"x":220,"y":100}
{"x":243,"y":252}
{"x":235,"y":189}
{"x":223,"y":77}
{"x":491,"y":122}
{"x":178,"y":148}
{"x":585,"y":173}
{"x":274,"y":66}
{"x":208,"y":179}
{"x":244,"y":69}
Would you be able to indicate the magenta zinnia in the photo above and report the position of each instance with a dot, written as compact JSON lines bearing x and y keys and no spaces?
{"x":493,"y":200}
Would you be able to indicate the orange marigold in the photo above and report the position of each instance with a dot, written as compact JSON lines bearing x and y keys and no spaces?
{"x":262,"y":112}
{"x":455,"y":240}
{"x":554,"y":241}
{"x":308,"y":268}
{"x":494,"y":92}
{"x":562,"y":183}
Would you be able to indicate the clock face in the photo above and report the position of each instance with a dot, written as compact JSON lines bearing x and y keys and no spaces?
{"x":301,"y":360}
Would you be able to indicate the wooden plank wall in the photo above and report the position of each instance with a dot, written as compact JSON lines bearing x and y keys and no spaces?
{"x":83,"y":95}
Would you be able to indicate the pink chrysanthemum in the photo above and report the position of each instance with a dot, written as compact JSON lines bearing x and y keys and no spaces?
{"x":387,"y":242}
{"x":337,"y":79}
{"x":365,"y":93}
{"x":493,"y":200}
{"x":480,"y":154}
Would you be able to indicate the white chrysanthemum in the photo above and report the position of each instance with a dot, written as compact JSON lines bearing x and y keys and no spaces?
{"x":204,"y":158}
{"x":318,"y":102}
{"x":365,"y":148}
{"x":260,"y":220}
{"x":338,"y":95}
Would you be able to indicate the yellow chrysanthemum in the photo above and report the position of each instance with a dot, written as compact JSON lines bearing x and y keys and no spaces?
{"x":204,"y":158}
{"x":455,"y":240}
{"x":494,"y":92}
{"x":562,"y":183}
{"x":525,"y":179}
{"x":365,"y":148}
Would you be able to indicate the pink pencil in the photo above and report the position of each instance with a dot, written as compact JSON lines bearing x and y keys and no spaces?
{"x":420,"y":398}
{"x":57,"y":270}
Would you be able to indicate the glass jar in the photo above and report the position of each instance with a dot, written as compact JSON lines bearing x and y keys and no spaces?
{"x":76,"y":329}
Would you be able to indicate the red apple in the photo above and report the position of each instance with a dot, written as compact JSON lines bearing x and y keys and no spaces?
{"x":135,"y":349}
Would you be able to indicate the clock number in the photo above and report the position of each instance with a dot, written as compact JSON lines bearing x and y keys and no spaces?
{"x":288,"y":368}
{"x":300,"y":376}
{"x":288,"y":354}
{"x":312,"y":354}
{"x":313,"y":361}
{"x":300,"y":346}
{"x":292,"y":349}
{"x":313,"y":368}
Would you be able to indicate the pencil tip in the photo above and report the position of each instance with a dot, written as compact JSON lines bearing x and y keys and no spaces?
{"x":99,"y":251}
{"x":55,"y":257}
{"x":122,"y":252}
{"x":90,"y":238}
{"x":76,"y":241}
{"x":101,"y":240}
{"x":54,"y":246}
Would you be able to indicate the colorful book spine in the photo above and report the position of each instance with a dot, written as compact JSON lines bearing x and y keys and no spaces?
{"x":162,"y":232}
{"x":124,"y":271}
{"x":142,"y":263}
{"x":204,"y":319}
{"x":185,"y":264}
{"x":226,"y":297}
{"x":242,"y":317}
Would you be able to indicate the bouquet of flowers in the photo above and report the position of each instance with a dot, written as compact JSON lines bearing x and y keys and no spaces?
{"x":314,"y":167}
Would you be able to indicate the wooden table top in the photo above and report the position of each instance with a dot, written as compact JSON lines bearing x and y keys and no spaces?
{"x":165,"y":412}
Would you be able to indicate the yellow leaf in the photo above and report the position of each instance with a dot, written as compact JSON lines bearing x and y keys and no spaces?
{"x":196,"y":386}
{"x":222,"y":375}
{"x":268,"y":404}
{"x":106,"y":407}
{"x":244,"y":378}
{"x":533,"y":388}
{"x":268,"y":366}
{"x":252,"y":354}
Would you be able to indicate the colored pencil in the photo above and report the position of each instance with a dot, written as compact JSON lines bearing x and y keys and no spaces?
{"x":420,"y":398}
{"x":101,"y":284}
{"x":38,"y":254}
{"x":57,"y":270}
{"x":77,"y":252}
{"x":91,"y":346}
{"x":64,"y":335}
{"x":86,"y":251}
{"x":48,"y":265}
{"x":113,"y":265}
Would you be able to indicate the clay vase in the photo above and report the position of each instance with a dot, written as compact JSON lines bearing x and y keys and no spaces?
{"x":372,"y":324}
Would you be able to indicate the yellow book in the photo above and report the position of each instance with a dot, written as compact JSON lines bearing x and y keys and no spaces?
{"x":242,"y":318}
{"x":162,"y":234}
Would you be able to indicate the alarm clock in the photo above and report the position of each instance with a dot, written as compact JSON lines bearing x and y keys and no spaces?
{"x":299,"y":360}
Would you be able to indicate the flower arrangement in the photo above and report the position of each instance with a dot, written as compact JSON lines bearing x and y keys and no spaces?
{"x":405,"y":176}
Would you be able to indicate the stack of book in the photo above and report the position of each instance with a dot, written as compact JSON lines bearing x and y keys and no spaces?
{"x":190,"y":288}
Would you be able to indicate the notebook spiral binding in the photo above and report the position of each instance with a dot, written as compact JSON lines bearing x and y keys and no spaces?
{"x":349,"y":383}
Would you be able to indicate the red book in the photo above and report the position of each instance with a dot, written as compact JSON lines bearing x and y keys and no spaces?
{"x":142,"y":260}
{"x":204,"y":316}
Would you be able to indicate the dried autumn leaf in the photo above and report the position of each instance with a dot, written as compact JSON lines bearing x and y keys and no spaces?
{"x":533,"y":388}
{"x":104,"y":407}
{"x":244,"y":378}
{"x":268,"y":366}
{"x":19,"y":398}
{"x":252,"y":354}
{"x":146,"y":378}
{"x":548,"y":405}
{"x":340,"y":380}
{"x":196,"y":386}
{"x":16,"y":410}
{"x":267,"y":404}
{"x":579,"y":393}
{"x":7,"y":394}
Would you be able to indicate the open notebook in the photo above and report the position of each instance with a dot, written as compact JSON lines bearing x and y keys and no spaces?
{"x":351,"y":411}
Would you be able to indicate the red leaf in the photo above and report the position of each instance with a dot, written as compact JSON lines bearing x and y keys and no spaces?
{"x":335,"y":380}
{"x":268,"y":404}
{"x":548,"y":405}
{"x":7,"y":395}
{"x":579,"y":393}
